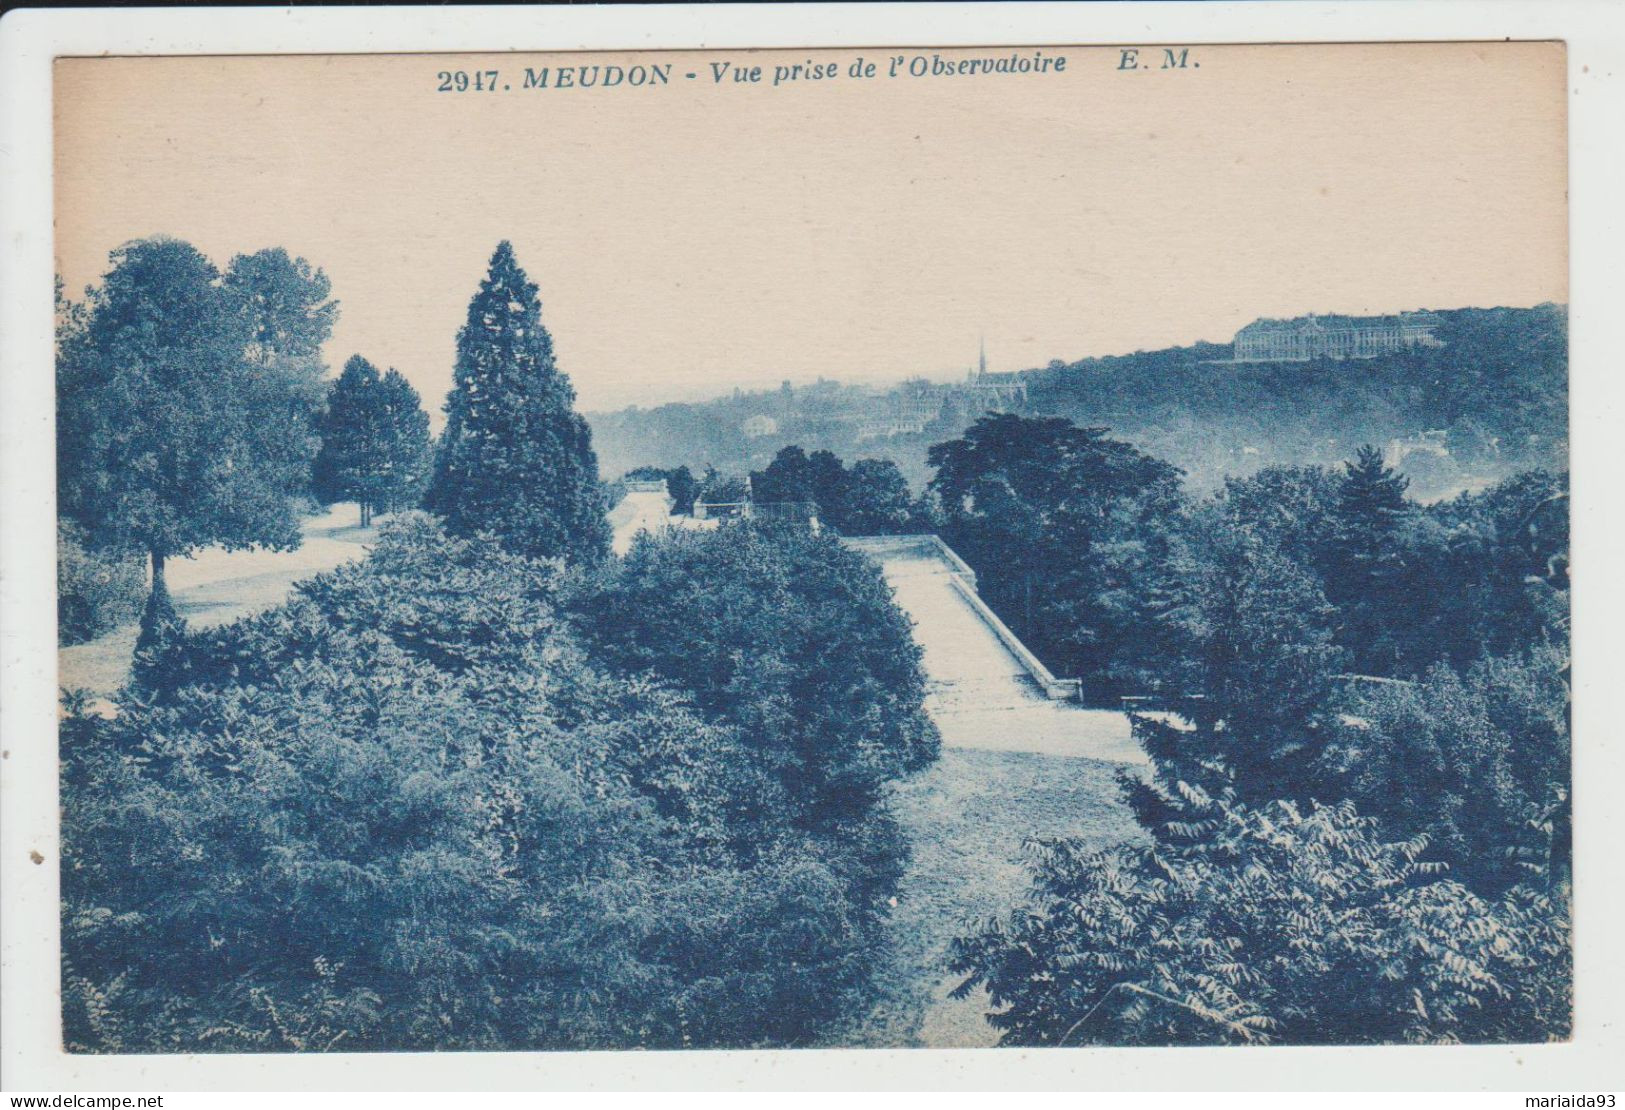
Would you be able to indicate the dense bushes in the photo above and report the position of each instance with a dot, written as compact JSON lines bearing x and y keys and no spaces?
{"x":1278,"y":925}
{"x":788,"y":637}
{"x":1479,"y":761}
{"x":1360,"y":800}
{"x":95,"y":592}
{"x":409,"y":809}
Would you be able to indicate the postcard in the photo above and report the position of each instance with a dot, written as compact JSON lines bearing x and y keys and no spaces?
{"x":850,"y":548}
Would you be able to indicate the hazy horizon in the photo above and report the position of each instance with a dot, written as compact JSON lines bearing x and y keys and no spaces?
{"x":703,"y":394}
{"x":697,"y":239}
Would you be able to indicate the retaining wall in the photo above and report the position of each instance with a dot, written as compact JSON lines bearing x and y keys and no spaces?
{"x":963,"y":580}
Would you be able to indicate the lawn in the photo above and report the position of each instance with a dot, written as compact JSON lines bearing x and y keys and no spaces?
{"x":967,"y":818}
{"x":215,"y":586}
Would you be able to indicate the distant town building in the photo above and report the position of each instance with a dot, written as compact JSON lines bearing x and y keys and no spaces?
{"x":917,"y":403}
{"x":994,"y":393}
{"x":1307,"y":337}
{"x":755,"y":427}
{"x":905,"y":411}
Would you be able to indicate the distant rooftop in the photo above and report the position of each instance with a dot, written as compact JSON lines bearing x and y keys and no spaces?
{"x":1308,"y":337}
{"x":1420,"y":318}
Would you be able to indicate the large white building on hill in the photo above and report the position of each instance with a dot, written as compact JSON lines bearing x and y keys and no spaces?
{"x":1306,"y":337}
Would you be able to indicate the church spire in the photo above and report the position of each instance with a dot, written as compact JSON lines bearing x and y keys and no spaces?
{"x":981,"y":357}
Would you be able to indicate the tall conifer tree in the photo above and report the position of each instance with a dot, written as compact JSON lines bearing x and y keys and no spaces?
{"x":1365,"y":576}
{"x":408,"y":450}
{"x":516,"y":459}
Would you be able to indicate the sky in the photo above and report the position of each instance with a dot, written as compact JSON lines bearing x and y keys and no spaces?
{"x":694,"y":237}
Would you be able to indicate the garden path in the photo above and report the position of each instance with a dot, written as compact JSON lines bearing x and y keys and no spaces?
{"x":1015,"y":765}
{"x":216,"y":586}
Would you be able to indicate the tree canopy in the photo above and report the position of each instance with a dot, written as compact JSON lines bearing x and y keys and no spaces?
{"x":1281,"y":925}
{"x":870,"y":498}
{"x":187,"y":401}
{"x":416,"y":808}
{"x":375,"y":441}
{"x":790,"y":636}
{"x":1055,"y":519}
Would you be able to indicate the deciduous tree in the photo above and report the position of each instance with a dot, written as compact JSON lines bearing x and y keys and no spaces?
{"x":1035,"y":506}
{"x":875,"y":499}
{"x":186,"y":406}
{"x":1283,"y":924}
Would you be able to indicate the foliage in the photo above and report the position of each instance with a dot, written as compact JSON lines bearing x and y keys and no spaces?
{"x":684,"y":489}
{"x":1486,"y":575}
{"x":786,"y":636}
{"x":283,"y":304}
{"x":722,"y":489}
{"x":1336,"y":858}
{"x":515,"y":459}
{"x":1292,"y":508}
{"x":1478,"y":761}
{"x":1059,"y":523}
{"x":795,"y":476}
{"x":1280,"y":926}
{"x":375,"y":441}
{"x":871,"y":498}
{"x":875,"y":500}
{"x":410,"y":810}
{"x":681,"y":485}
{"x":1497,"y":388}
{"x":1364,"y":565}
{"x":1251,"y":678}
{"x":185,"y":402}
{"x":96,"y":592}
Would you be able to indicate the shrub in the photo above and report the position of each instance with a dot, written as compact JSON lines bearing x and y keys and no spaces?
{"x":407,"y":810}
{"x":1479,"y":761}
{"x":792,"y":643}
{"x":1280,"y":926}
{"x":95,"y":592}
{"x":789,"y":637}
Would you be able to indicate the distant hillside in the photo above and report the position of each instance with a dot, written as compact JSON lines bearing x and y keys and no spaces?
{"x":1497,"y":390}
{"x":1491,"y":400}
{"x":825,"y":415}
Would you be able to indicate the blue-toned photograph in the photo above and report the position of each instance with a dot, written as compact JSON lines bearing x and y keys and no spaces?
{"x":883,"y":548}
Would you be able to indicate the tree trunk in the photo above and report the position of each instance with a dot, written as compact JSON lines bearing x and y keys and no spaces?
{"x":159,"y":621}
